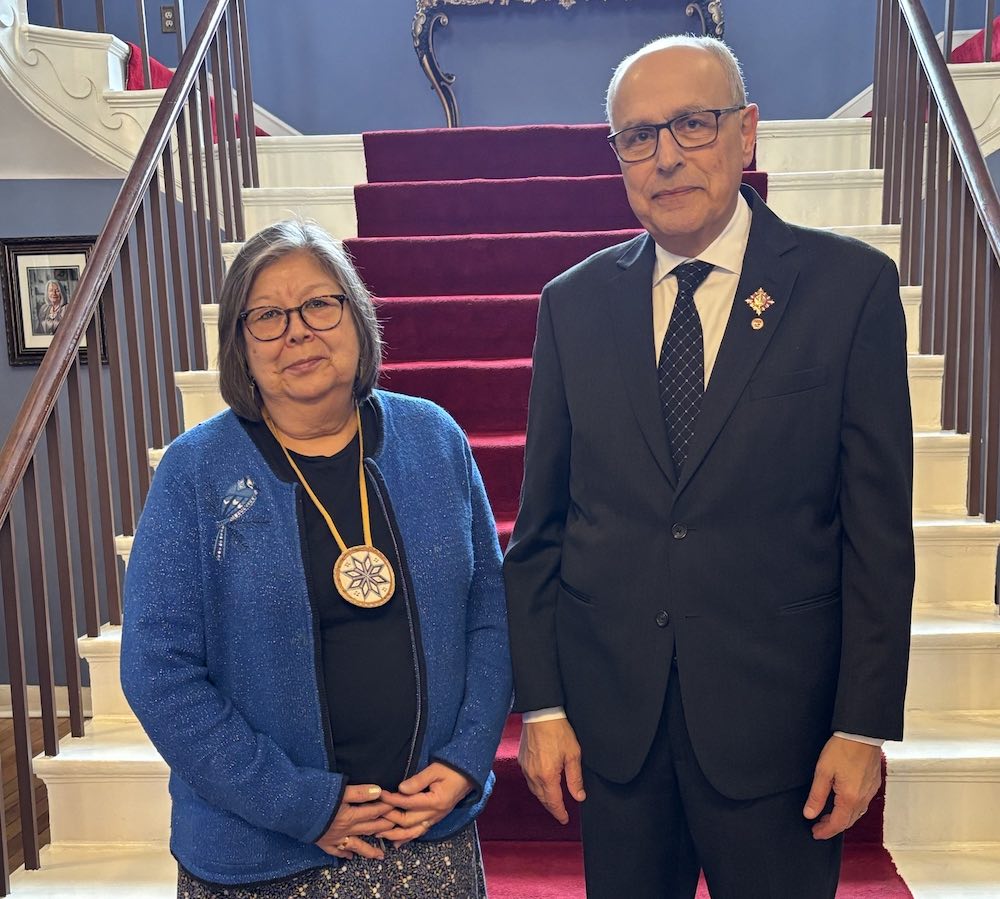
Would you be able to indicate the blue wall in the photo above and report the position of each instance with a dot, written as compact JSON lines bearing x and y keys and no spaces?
{"x":349,"y":65}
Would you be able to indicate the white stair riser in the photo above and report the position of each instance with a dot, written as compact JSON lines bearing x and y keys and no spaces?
{"x":910,"y":297}
{"x":113,"y":808}
{"x":883,"y":237}
{"x":826,"y":199}
{"x":952,"y":676}
{"x":333,"y":209}
{"x":925,"y":394}
{"x":200,"y":398}
{"x":311,"y":162}
{"x":106,"y":688}
{"x":813,"y":145}
{"x":955,"y":572}
{"x":940,"y":481}
{"x":942,"y":808}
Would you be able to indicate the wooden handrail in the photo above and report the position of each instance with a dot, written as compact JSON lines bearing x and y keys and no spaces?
{"x":956,"y":120}
{"x":29,"y":424}
{"x":938,"y":189}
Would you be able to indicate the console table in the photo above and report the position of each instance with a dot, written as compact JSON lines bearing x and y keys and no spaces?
{"x":431,"y":13}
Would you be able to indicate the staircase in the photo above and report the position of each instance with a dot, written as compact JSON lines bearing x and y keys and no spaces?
{"x":453,"y":331}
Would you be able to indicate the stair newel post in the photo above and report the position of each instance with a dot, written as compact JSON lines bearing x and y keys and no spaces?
{"x":64,"y":572}
{"x":177,"y":293}
{"x":931,"y":211}
{"x":84,"y":520}
{"x":162,"y":319}
{"x":894,"y":118}
{"x":940,"y":233}
{"x":988,"y":33}
{"x":222,"y":146}
{"x":150,"y":355}
{"x":978,"y":347}
{"x":949,"y":28}
{"x":912,"y":166}
{"x":147,"y":75}
{"x":123,"y":459}
{"x":877,"y":150}
{"x":953,"y":299}
{"x":14,"y":630}
{"x":207,"y":247}
{"x":967,"y":301}
{"x":136,"y":378}
{"x":991,"y":504}
{"x":40,"y":608}
{"x":210,"y":185}
{"x":225,"y":75}
{"x":104,"y":484}
{"x":191,"y":231}
{"x":244,"y":96}
{"x":181,"y":29}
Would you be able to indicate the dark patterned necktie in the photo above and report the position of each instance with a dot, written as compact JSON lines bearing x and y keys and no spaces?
{"x":682,"y":362}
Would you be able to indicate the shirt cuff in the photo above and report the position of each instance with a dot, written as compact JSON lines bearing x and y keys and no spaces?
{"x":550,"y":714}
{"x":857,"y":738}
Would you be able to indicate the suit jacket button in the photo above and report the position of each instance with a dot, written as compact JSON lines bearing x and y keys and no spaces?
{"x":679,"y":531}
{"x":662,"y":619}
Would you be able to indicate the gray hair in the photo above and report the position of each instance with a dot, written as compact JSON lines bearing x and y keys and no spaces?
{"x":719,"y":49}
{"x":267,"y":246}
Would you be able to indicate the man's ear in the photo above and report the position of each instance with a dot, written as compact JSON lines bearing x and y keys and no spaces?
{"x":748,"y":130}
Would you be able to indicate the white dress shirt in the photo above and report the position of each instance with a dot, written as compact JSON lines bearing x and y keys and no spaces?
{"x":714,"y":302}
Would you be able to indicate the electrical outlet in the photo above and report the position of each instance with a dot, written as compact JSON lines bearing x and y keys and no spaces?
{"x":168,"y":19}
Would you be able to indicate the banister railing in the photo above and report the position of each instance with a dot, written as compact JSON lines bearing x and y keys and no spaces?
{"x":939,"y":190}
{"x":158,"y":258}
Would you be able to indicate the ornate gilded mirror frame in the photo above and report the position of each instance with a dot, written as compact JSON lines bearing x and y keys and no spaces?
{"x":430,"y":14}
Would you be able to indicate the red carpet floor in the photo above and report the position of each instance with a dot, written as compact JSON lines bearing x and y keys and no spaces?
{"x":459,"y":231}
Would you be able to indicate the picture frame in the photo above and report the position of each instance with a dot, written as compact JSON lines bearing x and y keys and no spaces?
{"x":38,"y":279}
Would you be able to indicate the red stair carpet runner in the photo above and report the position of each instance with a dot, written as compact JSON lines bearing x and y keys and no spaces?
{"x":459,"y":231}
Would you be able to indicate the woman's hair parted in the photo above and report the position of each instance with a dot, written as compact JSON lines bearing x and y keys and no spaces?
{"x":267,"y":246}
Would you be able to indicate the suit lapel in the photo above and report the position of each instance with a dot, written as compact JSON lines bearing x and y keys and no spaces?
{"x":766,"y":266}
{"x":630,"y":299}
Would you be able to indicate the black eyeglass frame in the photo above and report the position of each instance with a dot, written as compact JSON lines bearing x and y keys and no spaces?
{"x":669,"y":125}
{"x":341,"y":298}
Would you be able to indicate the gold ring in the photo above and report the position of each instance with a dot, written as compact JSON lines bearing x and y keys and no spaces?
{"x":342,"y":845}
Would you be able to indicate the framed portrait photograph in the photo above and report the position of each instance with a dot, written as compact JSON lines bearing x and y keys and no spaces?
{"x":38,"y":280}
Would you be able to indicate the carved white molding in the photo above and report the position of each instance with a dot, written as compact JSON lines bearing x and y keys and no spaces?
{"x":63,"y":100}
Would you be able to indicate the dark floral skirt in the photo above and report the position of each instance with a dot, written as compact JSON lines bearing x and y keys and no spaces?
{"x":445,"y":869}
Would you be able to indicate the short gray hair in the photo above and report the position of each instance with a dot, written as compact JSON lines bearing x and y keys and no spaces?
{"x":267,"y":246}
{"x":719,"y":49}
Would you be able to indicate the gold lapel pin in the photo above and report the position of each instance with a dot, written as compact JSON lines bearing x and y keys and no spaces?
{"x":759,"y":301}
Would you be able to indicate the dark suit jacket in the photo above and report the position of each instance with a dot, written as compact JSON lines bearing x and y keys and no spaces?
{"x":778,"y":567}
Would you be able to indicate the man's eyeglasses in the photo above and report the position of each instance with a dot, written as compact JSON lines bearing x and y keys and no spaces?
{"x":318,"y":313}
{"x":690,"y":131}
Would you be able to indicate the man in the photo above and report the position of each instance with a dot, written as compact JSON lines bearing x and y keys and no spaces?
{"x":710,"y":577}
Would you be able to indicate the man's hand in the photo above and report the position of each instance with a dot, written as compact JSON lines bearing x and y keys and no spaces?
{"x":548,"y":748}
{"x":853,"y":771}
{"x":360,"y":813}
{"x":423,"y":800}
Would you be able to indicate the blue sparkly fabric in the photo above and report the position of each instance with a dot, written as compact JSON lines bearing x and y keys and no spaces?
{"x":218,"y":646}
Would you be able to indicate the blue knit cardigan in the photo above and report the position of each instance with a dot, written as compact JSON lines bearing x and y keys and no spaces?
{"x":219,"y":650}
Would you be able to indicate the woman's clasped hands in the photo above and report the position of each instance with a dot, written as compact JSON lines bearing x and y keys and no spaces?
{"x":399,"y":817}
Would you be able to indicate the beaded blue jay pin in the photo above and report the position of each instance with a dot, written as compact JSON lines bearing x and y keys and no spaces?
{"x":239,"y":499}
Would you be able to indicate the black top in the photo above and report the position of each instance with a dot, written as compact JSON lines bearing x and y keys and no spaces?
{"x":367,"y":655}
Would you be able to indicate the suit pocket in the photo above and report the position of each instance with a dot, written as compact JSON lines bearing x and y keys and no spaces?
{"x":787,"y":383}
{"x":575,"y":594}
{"x":807,"y":605}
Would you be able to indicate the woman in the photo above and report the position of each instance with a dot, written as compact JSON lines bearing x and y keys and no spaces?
{"x":51,"y":308}
{"x":315,"y":636}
